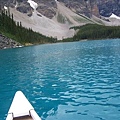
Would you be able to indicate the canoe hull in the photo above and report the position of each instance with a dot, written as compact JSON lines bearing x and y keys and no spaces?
{"x":21,"y":108}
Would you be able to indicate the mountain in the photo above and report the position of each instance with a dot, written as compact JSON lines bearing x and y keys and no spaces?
{"x":55,"y":17}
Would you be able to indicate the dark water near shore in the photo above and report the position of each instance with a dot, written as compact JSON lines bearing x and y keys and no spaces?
{"x":65,"y":81}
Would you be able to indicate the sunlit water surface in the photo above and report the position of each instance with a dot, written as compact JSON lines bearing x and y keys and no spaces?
{"x":64,"y":81}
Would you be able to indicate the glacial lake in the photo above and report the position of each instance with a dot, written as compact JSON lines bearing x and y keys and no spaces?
{"x":64,"y":81}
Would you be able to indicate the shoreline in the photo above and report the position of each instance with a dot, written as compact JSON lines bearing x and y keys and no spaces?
{"x":14,"y":44}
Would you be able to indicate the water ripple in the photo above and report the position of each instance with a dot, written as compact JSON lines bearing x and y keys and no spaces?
{"x":75,"y":81}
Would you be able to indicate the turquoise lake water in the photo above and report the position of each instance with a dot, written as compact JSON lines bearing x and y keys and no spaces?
{"x":64,"y":81}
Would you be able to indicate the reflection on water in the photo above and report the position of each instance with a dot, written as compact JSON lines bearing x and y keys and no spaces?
{"x":72,"y":81}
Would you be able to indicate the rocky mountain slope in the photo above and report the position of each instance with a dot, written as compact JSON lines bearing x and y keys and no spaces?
{"x":55,"y":17}
{"x":8,"y":43}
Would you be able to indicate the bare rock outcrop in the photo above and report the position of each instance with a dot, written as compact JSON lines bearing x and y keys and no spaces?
{"x":48,"y":8}
{"x":8,"y":43}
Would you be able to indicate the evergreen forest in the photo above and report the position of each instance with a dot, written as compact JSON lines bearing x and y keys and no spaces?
{"x":17,"y":32}
{"x":94,"y":31}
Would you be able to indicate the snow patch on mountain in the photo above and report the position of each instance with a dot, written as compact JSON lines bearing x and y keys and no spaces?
{"x":114,"y":16}
{"x":5,"y":8}
{"x":32,"y":4}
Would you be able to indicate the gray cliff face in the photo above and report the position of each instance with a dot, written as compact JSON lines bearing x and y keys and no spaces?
{"x":45,"y":7}
{"x":107,"y":7}
{"x":95,"y":7}
{"x":48,"y":7}
{"x":86,"y":7}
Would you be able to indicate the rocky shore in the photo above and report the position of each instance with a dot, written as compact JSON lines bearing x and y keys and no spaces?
{"x":6,"y":42}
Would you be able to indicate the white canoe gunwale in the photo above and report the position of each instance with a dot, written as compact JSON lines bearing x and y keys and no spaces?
{"x":21,"y":109}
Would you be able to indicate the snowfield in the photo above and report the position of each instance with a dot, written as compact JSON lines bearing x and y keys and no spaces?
{"x":114,"y":16}
{"x":32,"y":4}
{"x":5,"y":8}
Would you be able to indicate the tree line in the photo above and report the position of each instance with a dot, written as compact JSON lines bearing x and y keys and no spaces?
{"x":16,"y":31}
{"x":94,"y":31}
